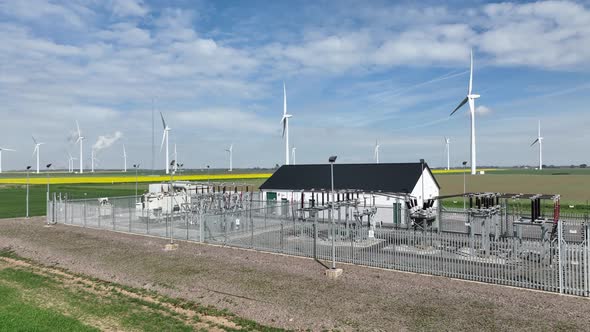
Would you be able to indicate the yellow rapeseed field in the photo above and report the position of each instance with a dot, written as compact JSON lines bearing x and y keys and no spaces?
{"x":131,"y":178}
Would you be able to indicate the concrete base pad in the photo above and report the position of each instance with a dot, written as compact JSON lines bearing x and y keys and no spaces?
{"x":333,"y":273}
{"x":48,"y":225}
{"x":171,"y":246}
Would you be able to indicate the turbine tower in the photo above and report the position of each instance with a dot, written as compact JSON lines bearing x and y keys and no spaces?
{"x":285,"y":122}
{"x":448,"y":148}
{"x":540,"y":140}
{"x":471,"y":97}
{"x":293,"y":154}
{"x":231,"y":152}
{"x":165,"y":138}
{"x":3,"y":149}
{"x":69,"y":162}
{"x":81,"y":141}
{"x":36,"y":151}
{"x":376,"y":153}
{"x":124,"y":159}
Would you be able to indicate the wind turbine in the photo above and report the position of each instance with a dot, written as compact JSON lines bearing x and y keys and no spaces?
{"x":165,"y":138}
{"x":376,"y":153}
{"x":231,"y":152}
{"x":3,"y":149}
{"x":81,"y":141}
{"x":471,"y":97}
{"x":36,"y":150}
{"x":69,"y":162}
{"x":92,"y":158}
{"x":293,"y":154}
{"x":285,"y":122}
{"x":124,"y":159}
{"x":540,"y":140}
{"x":448,"y":148}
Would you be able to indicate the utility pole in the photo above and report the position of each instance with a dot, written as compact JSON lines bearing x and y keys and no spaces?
{"x":333,"y":273}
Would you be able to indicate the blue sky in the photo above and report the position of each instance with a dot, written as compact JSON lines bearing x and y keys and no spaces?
{"x":355,"y":72}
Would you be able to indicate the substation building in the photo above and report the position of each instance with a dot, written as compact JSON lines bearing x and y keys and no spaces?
{"x":391,"y":190}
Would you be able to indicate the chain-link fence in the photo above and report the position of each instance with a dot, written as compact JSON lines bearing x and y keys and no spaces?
{"x":478,"y":253}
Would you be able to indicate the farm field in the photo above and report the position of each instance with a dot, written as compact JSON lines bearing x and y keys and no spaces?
{"x":13,"y":197}
{"x":104,"y":178}
{"x":278,"y":290}
{"x":572,"y":188}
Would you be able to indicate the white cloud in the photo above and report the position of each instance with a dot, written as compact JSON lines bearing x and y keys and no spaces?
{"x":126,"y":34}
{"x":545,"y":34}
{"x":233,"y":120}
{"x":483,"y":110}
{"x":33,"y":10}
{"x":128,"y":7}
{"x":106,"y":141}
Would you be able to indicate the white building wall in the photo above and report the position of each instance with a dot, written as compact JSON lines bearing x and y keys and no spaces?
{"x":430,"y":188}
{"x":385,"y":204}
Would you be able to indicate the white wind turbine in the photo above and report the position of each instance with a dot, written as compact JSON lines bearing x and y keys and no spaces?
{"x":92,"y":159}
{"x":165,"y":138}
{"x":124,"y":159}
{"x":285,"y":122}
{"x":540,"y":140}
{"x":3,"y":149}
{"x":293,"y":154}
{"x":69,"y":162}
{"x":376,"y":153}
{"x":231,"y":156}
{"x":36,"y":151}
{"x":448,"y":150}
{"x":80,"y":140}
{"x":471,"y":97}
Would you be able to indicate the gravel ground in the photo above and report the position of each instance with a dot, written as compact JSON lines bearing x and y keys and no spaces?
{"x":291,"y":292}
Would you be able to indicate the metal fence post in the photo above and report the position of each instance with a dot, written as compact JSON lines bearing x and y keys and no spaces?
{"x":559,"y":254}
{"x":281,"y":235}
{"x":586,"y":248}
{"x":113,"y":214}
{"x":129,"y":215}
{"x":201,"y":221}
{"x":65,"y":210}
{"x":84,"y":212}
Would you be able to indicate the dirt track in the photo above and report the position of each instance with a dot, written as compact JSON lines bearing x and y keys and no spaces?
{"x":292,"y":292}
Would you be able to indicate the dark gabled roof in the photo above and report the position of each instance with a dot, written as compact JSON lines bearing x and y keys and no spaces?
{"x":392,"y":178}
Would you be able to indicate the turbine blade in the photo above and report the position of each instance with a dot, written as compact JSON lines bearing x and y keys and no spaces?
{"x":78,"y":127}
{"x":539,"y":128}
{"x":34,"y":140}
{"x":163,"y":121}
{"x":284,"y":99}
{"x":535,"y":142}
{"x":284,"y":126}
{"x":471,"y":73}
{"x":463,"y":102}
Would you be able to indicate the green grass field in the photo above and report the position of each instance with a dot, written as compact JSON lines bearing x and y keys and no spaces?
{"x":40,"y":298}
{"x":13,"y":197}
